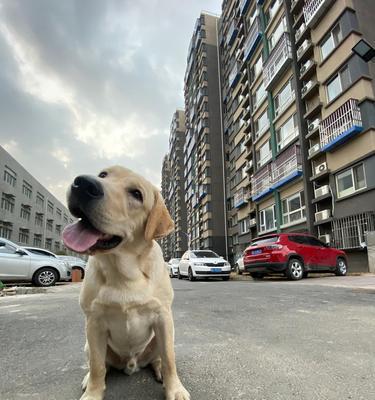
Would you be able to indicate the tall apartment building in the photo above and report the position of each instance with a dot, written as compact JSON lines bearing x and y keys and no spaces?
{"x":178,"y":240}
{"x":204,"y":145}
{"x":29,"y":213}
{"x":165,"y":183}
{"x":307,"y":104}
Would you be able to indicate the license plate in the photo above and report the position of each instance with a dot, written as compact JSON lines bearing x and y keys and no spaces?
{"x":215,"y":269}
{"x":258,"y":251}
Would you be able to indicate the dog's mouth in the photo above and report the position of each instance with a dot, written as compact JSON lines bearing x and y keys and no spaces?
{"x":83,"y":237}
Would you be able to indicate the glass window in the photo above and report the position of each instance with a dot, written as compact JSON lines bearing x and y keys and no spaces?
{"x":272,"y":239}
{"x":204,"y":254}
{"x":350,"y":181}
{"x":331,"y":41}
{"x":277,"y":33}
{"x":244,"y":226}
{"x":267,"y":219}
{"x":259,"y":95}
{"x":287,"y":132}
{"x":7,"y":249}
{"x":338,"y":84}
{"x":264,"y":153}
{"x":293,"y":208}
{"x":261,"y":124}
{"x":257,"y":68}
{"x":284,"y":97}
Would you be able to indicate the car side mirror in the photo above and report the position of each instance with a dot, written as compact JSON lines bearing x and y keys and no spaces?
{"x":21,"y":252}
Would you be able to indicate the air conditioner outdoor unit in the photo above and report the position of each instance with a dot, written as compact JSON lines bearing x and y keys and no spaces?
{"x":325,"y":238}
{"x":306,"y":86}
{"x":321,"y":191}
{"x":300,"y":30}
{"x":322,"y":215}
{"x":252,"y":221}
{"x":303,"y":47}
{"x":321,"y":168}
{"x":313,"y":125}
{"x":314,"y":149}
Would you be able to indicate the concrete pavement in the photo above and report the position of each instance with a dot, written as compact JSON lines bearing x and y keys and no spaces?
{"x":270,"y":340}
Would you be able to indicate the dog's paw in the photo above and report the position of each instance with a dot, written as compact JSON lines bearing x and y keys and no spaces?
{"x":177,"y":393}
{"x":87,"y":396}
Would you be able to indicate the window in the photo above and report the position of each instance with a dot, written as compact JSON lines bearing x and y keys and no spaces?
{"x":252,"y":17}
{"x":65,"y":219}
{"x":25,"y":212}
{"x":311,"y":241}
{"x":264,"y":153}
{"x":350,"y":181}
{"x":37,"y":240}
{"x":338,"y":83}
{"x":235,"y":239}
{"x":293,"y":208}
{"x":272,"y":10}
{"x":10,"y":176}
{"x":58,"y":229}
{"x":244,"y":226}
{"x":58,"y":212}
{"x":48,"y":244}
{"x":39,"y":199}
{"x":27,"y":189}
{"x":331,"y":41}
{"x":7,"y":202}
{"x":38,"y":219}
{"x":284,"y":97}
{"x":257,"y":68}
{"x":7,"y":249}
{"x":287,"y":132}
{"x":272,"y":239}
{"x":49,"y":225}
{"x":57,"y":246}
{"x":5,"y":230}
{"x":23,"y":236}
{"x":261,"y":125}
{"x":267,"y":219}
{"x":259,"y":95}
{"x":277,"y":33}
{"x":50,"y":207}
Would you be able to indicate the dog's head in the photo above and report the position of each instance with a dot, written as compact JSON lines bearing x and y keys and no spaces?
{"x":114,"y":208}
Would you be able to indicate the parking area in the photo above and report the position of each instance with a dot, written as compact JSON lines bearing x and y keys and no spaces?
{"x":259,"y":340}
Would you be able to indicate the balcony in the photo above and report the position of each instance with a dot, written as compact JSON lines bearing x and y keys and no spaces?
{"x":314,"y":9}
{"x":249,"y":166}
{"x":340,"y":126}
{"x":235,"y":74}
{"x":286,"y":167}
{"x":305,"y":48}
{"x":232,"y":32}
{"x":241,"y":197}
{"x":261,"y":183}
{"x":309,"y":88}
{"x":300,"y":31}
{"x":307,"y":68}
{"x":252,"y":40}
{"x":278,"y":61}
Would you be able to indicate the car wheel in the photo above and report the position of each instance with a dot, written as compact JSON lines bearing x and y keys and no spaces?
{"x":341,"y":268}
{"x":179,"y":276}
{"x":256,"y":275}
{"x":295,"y":269}
{"x":190,"y":275}
{"x":45,"y":277}
{"x":225,"y":278}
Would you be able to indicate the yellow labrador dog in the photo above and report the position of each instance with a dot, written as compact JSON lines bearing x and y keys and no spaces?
{"x":126,"y":294}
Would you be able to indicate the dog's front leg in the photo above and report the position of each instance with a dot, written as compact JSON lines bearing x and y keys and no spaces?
{"x":97,"y":350}
{"x":164,"y":332}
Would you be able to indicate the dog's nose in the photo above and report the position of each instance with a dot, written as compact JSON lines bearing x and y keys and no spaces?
{"x":87,"y":188}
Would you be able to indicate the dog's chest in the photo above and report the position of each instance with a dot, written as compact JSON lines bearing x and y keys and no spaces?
{"x":129,"y":330}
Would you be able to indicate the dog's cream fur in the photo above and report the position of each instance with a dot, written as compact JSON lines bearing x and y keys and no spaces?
{"x":127,"y":294}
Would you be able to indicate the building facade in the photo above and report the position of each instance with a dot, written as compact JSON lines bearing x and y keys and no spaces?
{"x":29,"y":213}
{"x":165,"y":183}
{"x":204,"y":145}
{"x":178,"y":240}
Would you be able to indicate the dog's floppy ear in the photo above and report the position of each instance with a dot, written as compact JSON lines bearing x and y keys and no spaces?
{"x":159,"y":222}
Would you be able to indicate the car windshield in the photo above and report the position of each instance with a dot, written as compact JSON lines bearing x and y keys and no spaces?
{"x":272,"y":239}
{"x":174,"y":261}
{"x":204,"y":254}
{"x":40,"y":252}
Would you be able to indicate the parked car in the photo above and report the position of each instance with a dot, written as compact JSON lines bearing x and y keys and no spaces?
{"x":294,"y":255}
{"x":173,"y":267}
{"x":75,"y":263}
{"x":20,"y":264}
{"x":203,"y":264}
{"x":46,"y":253}
{"x":239,"y":266}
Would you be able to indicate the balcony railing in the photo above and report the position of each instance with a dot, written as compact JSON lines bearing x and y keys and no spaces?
{"x":232,"y":32}
{"x":241,"y":197}
{"x":314,"y":9}
{"x":234,"y":74}
{"x":261,"y":183}
{"x":342,"y":124}
{"x":287,"y":166}
{"x":278,"y":60}
{"x":350,"y":232}
{"x":252,"y":40}
{"x":244,"y":5}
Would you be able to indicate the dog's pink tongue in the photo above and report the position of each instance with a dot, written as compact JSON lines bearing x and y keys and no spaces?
{"x":79,"y":238}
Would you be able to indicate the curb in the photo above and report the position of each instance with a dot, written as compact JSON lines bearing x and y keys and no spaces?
{"x":12,"y":291}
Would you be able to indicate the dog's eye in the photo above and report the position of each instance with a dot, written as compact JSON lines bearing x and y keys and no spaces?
{"x":103,"y":174}
{"x":136,"y":194}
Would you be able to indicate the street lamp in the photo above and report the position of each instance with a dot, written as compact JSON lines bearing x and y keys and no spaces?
{"x":364,"y":50}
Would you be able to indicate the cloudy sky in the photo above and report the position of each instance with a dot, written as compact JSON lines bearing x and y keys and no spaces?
{"x":89,"y":83}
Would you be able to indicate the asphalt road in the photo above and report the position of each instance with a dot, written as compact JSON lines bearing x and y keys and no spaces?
{"x":272,"y":340}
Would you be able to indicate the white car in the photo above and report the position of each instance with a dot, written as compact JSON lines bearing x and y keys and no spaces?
{"x":203,"y":264}
{"x":239,"y":266}
{"x":75,"y":263}
{"x":20,"y":264}
{"x":173,"y":267}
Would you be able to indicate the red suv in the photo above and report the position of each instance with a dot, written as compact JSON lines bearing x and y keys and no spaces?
{"x":294,"y":255}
